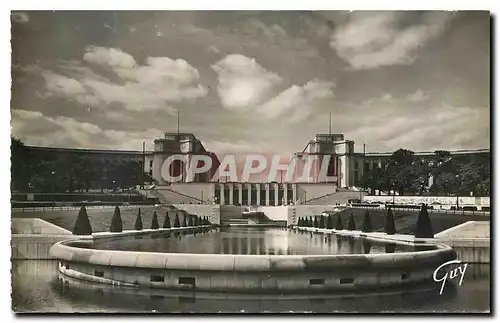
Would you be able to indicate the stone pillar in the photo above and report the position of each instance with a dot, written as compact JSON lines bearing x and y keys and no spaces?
{"x":240,"y":193}
{"x":222,"y":197}
{"x":257,"y":187}
{"x":294,"y":188}
{"x":276,"y":196}
{"x":249,"y":193}
{"x":267,"y":193}
{"x":285,"y":193}
{"x":231,"y":189}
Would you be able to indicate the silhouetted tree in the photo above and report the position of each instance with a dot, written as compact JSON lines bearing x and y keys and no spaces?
{"x":322,"y":222}
{"x":166,"y":221}
{"x":154,"y":222}
{"x":339,"y":225}
{"x":116,"y":221}
{"x":177,"y":223}
{"x":310,"y":222}
{"x":329,"y":222}
{"x":389,"y":228}
{"x":138,"y":221}
{"x":424,"y":226}
{"x":82,"y":223}
{"x":315,"y":223}
{"x":351,"y":225}
{"x":184,"y":223}
{"x":367,"y":222}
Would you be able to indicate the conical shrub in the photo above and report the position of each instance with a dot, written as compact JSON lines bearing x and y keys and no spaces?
{"x":339,"y":225}
{"x":82,"y":223}
{"x":351,"y":225}
{"x":166,"y":221}
{"x":367,"y":222}
{"x":177,"y":223}
{"x":389,"y":227}
{"x":116,"y":221}
{"x":315,"y":223}
{"x":329,"y":222}
{"x":424,"y":226}
{"x":154,"y":222}
{"x":138,"y":221}
{"x":184,"y":223}
{"x":310,"y":222}
{"x":322,"y":222}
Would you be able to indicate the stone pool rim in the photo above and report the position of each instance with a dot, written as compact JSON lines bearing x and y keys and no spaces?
{"x":69,"y":251}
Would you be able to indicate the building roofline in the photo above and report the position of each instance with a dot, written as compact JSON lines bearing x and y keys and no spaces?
{"x":96,"y":151}
{"x":428,"y":153}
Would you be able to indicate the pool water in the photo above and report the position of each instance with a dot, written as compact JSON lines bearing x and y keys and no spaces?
{"x":252,"y":241}
{"x":38,"y":287}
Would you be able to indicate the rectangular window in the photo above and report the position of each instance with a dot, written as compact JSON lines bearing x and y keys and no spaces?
{"x":347,"y":280}
{"x":99,"y":273}
{"x":155,"y":278}
{"x":187,"y":281}
{"x":316,"y":281}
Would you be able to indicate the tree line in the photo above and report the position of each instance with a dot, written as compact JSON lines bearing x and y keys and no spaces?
{"x":408,"y":174}
{"x":31,"y":172}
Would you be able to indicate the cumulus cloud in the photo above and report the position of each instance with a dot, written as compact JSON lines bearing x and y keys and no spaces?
{"x":418,"y":96}
{"x":297,"y":102}
{"x":20,"y":17}
{"x":370,"y":40}
{"x":243,"y":83}
{"x":152,"y":86}
{"x":401,"y":129}
{"x":34,"y":128}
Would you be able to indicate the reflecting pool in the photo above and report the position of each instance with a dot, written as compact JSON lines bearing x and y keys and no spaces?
{"x":251,"y":241}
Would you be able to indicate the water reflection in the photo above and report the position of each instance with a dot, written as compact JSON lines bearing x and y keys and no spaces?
{"x":390,"y":247}
{"x":252,"y":241}
{"x":36,"y":286}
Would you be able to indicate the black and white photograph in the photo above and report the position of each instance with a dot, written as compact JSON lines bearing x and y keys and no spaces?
{"x":250,"y":161}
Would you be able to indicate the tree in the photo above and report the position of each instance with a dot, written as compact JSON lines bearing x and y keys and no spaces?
{"x":389,"y":227}
{"x":315,"y":223}
{"x":310,"y":222}
{"x":367,"y":222}
{"x":329,"y":222}
{"x":321,"y":221}
{"x":184,"y":224}
{"x":339,"y":225}
{"x":116,"y":221}
{"x":177,"y":223}
{"x":154,"y":222}
{"x":166,"y":221}
{"x":82,"y":224}
{"x":138,"y":221}
{"x":189,"y":221}
{"x":424,"y":226}
{"x":351,"y":225}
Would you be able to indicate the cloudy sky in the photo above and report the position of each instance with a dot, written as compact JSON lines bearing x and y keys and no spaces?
{"x":252,"y":81}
